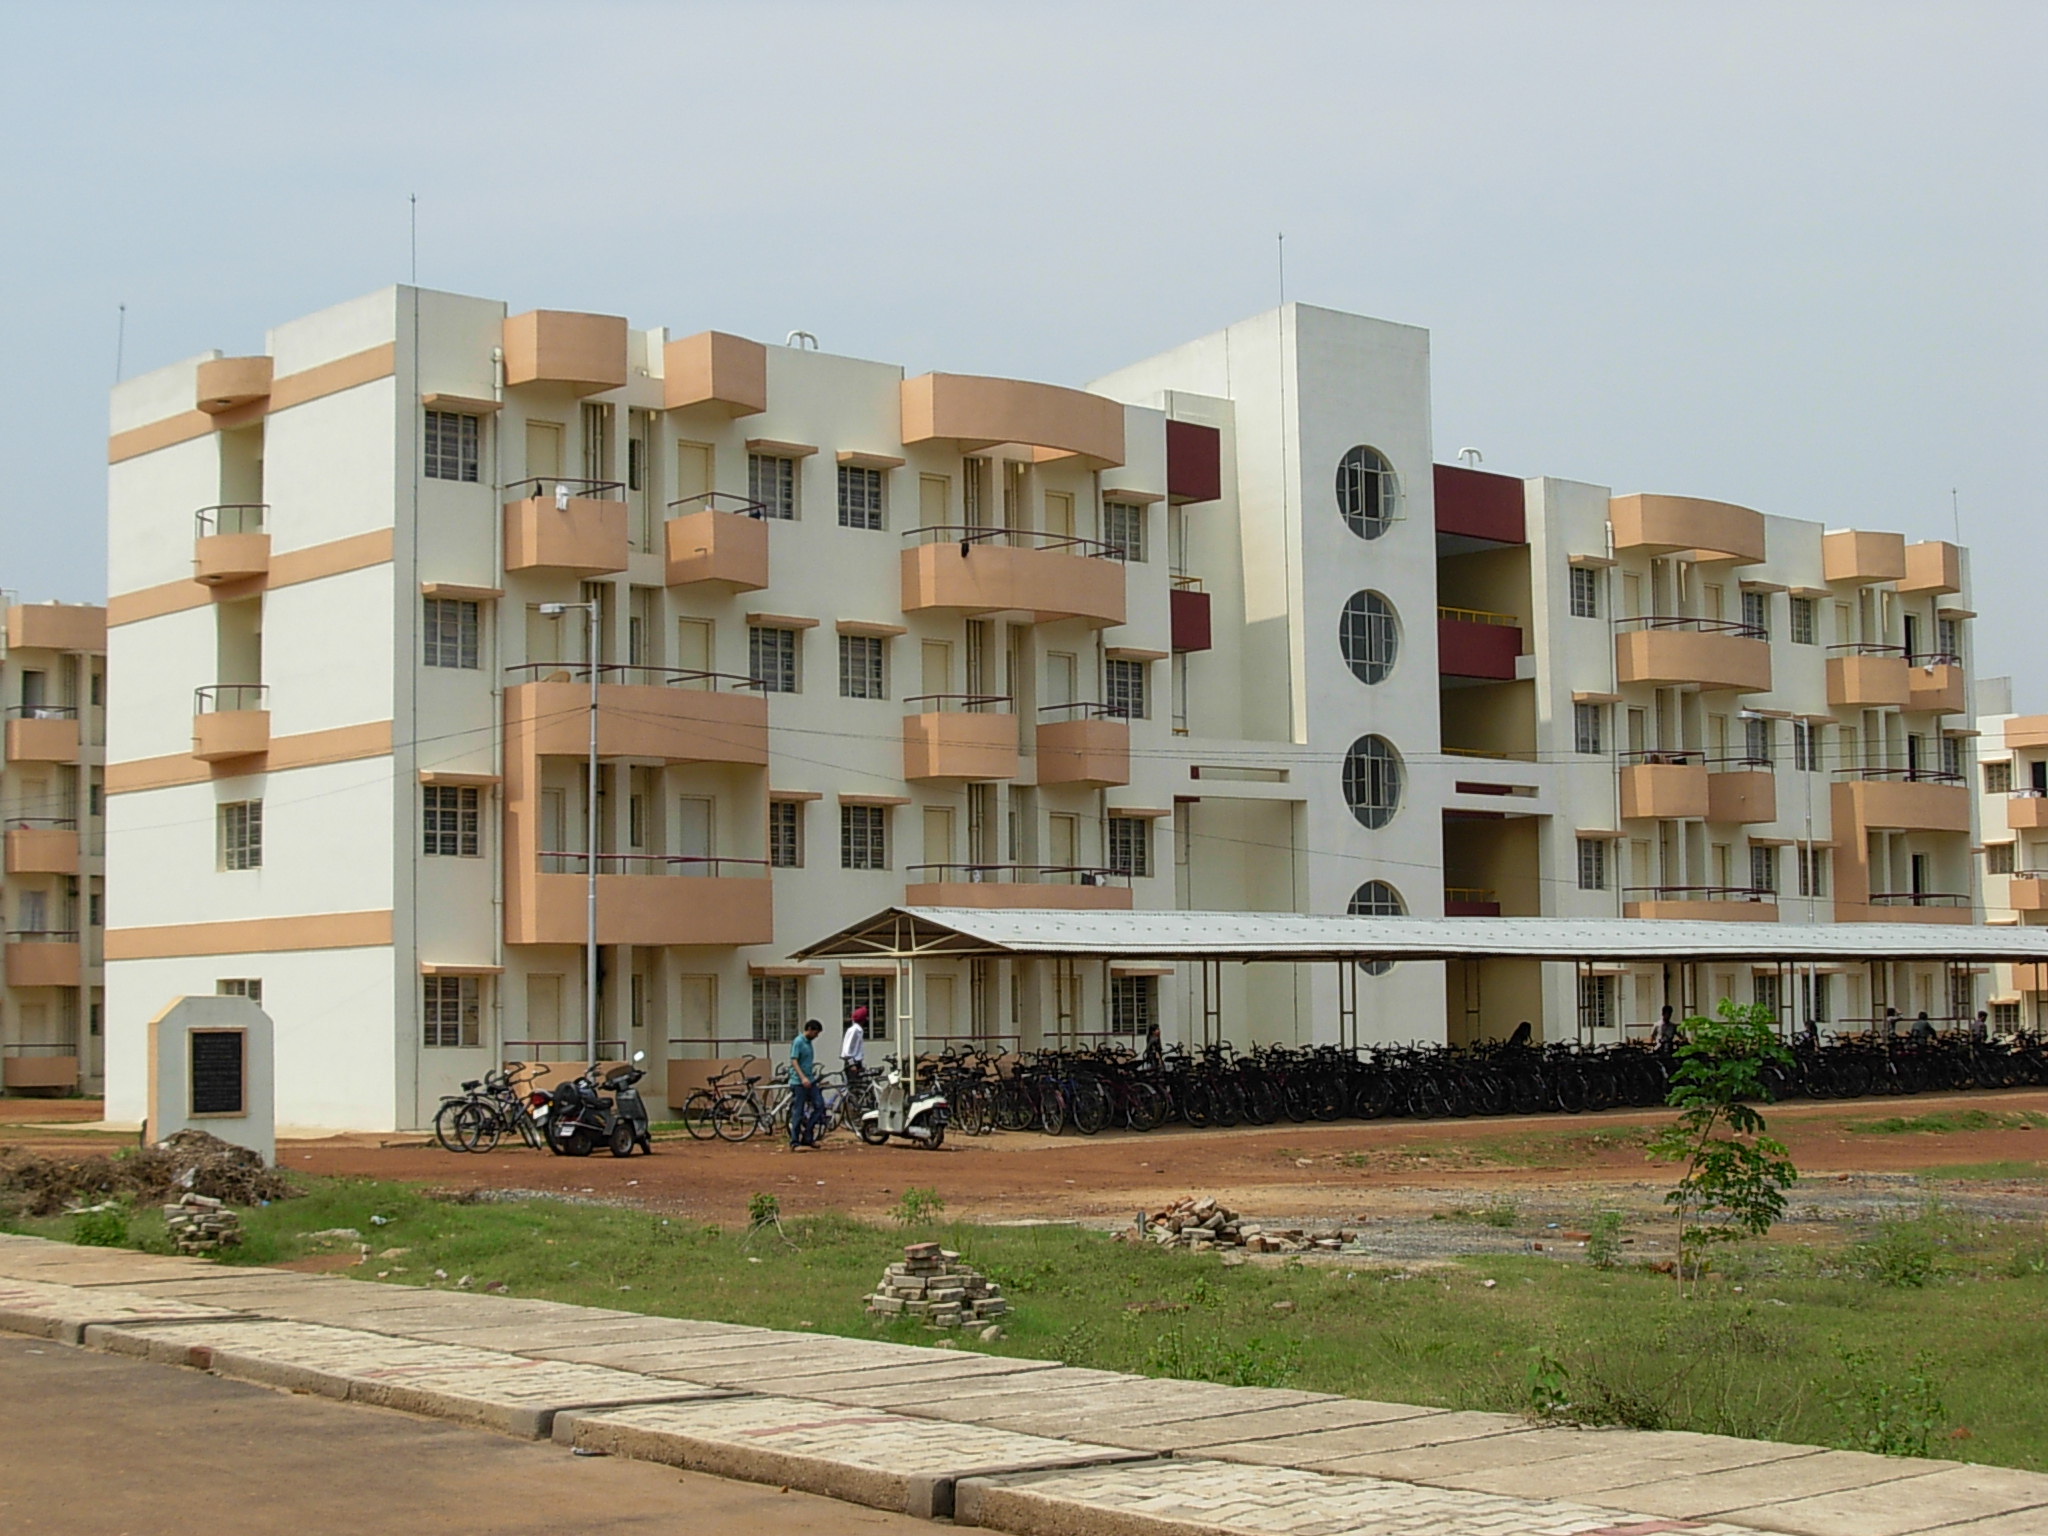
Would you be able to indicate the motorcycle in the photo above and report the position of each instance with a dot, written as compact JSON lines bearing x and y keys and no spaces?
{"x":582,"y":1118}
{"x":918,"y":1117}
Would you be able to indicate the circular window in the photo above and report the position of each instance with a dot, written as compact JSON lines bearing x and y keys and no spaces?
{"x":1368,"y":494}
{"x":1369,"y":636}
{"x":1372,"y":780}
{"x":1376,"y":898}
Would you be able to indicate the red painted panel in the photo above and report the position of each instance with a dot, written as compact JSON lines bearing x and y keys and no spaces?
{"x":1478,"y":505}
{"x":1471,"y":908}
{"x":1194,"y":462}
{"x":1188,"y":613}
{"x":1477,"y":650}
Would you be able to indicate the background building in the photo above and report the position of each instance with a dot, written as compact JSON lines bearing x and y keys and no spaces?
{"x":2012,"y":787}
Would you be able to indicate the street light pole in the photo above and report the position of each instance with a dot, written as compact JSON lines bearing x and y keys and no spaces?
{"x":555,"y":611}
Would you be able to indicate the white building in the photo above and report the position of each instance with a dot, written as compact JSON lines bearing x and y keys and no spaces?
{"x":1215,"y":632}
{"x":2012,"y":809}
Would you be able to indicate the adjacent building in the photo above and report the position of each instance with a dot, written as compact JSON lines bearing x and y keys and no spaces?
{"x":2012,"y":787}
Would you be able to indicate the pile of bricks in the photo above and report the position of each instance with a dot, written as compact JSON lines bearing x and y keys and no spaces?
{"x":1205,"y":1223}
{"x":201,"y":1224}
{"x":931,"y":1283}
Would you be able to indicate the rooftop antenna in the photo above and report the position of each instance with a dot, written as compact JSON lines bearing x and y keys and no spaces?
{"x":1280,"y":240}
{"x":1955,"y":512}
{"x":414,"y":200}
{"x":1472,"y":456}
{"x":120,"y":339}
{"x":803,"y":341}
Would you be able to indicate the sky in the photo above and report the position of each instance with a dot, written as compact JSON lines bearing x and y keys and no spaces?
{"x":1786,"y":255}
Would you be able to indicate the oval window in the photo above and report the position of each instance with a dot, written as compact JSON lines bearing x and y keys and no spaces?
{"x":1376,"y":898}
{"x":1369,"y":636}
{"x":1372,"y":781}
{"x":1368,"y":492}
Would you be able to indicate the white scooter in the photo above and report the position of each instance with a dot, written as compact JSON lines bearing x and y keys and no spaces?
{"x":919,"y":1119}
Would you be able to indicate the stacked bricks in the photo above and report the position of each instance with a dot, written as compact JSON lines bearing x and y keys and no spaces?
{"x":1204,"y":1223}
{"x":200,"y":1224}
{"x":931,"y":1283}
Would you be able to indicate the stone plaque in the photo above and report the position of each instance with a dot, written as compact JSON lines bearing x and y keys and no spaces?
{"x":219,"y":1079}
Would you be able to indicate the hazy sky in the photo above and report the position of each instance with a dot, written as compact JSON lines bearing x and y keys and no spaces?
{"x":1788,"y":255}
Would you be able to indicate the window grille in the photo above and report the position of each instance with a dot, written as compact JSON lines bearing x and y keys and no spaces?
{"x":863,"y":837}
{"x":1130,"y":846}
{"x":451,"y":446}
{"x":860,"y":667}
{"x":860,"y":497}
{"x":449,"y":629}
{"x":1592,"y":864}
{"x":450,"y":821}
{"x":871,"y":993}
{"x":451,"y":1013}
{"x":1124,"y":689}
{"x":1586,"y":728}
{"x":778,"y":1007}
{"x":771,"y":658}
{"x":772,"y":483}
{"x":1369,"y":636}
{"x":241,"y":835}
{"x":1123,"y":529}
{"x":786,"y":834}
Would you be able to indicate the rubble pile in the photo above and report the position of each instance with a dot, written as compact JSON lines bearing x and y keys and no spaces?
{"x":202,"y":1224}
{"x":931,"y":1283}
{"x":1205,"y":1223}
{"x":190,"y":1160}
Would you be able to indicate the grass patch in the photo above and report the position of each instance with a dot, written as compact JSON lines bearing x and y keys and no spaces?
{"x":2009,"y":1169}
{"x":1950,"y":1122}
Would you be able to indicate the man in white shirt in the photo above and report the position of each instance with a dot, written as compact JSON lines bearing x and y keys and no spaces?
{"x":853,"y":1045}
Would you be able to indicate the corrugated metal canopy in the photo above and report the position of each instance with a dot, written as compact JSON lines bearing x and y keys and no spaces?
{"x":935,"y":932}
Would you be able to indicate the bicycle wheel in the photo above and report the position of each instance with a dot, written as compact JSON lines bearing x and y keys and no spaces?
{"x":1144,"y":1107}
{"x":736,"y":1116}
{"x":699,"y":1112}
{"x":444,"y":1125}
{"x":476,"y":1127}
{"x":1052,"y":1110}
{"x":1088,"y":1105}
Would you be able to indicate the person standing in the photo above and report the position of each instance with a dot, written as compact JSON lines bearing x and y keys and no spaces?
{"x":806,"y":1101}
{"x":853,"y":1046}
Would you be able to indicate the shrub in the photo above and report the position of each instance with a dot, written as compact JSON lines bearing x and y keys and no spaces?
{"x":914,"y":1207}
{"x":1603,"y":1240}
{"x":100,"y":1226}
{"x":1885,"y":1416}
{"x":763,"y":1210}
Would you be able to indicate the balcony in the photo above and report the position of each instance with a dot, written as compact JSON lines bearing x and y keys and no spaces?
{"x":1935,"y":683}
{"x":974,"y":571}
{"x":230,"y":720}
{"x":562,"y":524}
{"x":644,"y":899}
{"x":38,"y":845}
{"x":1868,"y":677}
{"x":43,"y":959}
{"x":971,"y":413}
{"x":719,"y":539}
{"x":230,"y":544}
{"x":2027,"y":891}
{"x":224,"y":384}
{"x":1919,"y":907}
{"x":1194,"y":463}
{"x":56,"y":627}
{"x":1901,"y":800}
{"x":1933,"y":566}
{"x":40,"y":1066}
{"x":1092,"y":745}
{"x":1863,"y":558}
{"x":960,"y":736}
{"x":1470,"y":900}
{"x":1743,"y":791}
{"x":1708,"y":654}
{"x":552,"y":346}
{"x":42,"y":733}
{"x":2027,"y":811}
{"x":1187,"y":615}
{"x":1661,"y":525}
{"x":1664,"y":786}
{"x":1701,"y":903}
{"x":657,"y":713}
{"x":2027,"y":733}
{"x":1473,"y":643}
{"x":1028,"y":887}
{"x":1472,"y":505}
{"x":713,"y":368}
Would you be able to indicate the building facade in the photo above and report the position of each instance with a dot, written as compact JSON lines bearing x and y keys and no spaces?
{"x":1214,"y":632}
{"x":2011,"y":769}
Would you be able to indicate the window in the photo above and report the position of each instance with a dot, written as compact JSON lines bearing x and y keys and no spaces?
{"x":1376,"y":898}
{"x":2005,"y":1015}
{"x":1132,"y":1004}
{"x":1806,"y":746}
{"x":250,"y":987}
{"x":451,"y":446}
{"x":860,"y":667}
{"x":1763,"y":869}
{"x":772,"y":483}
{"x":95,"y":909}
{"x":1802,"y":621}
{"x":1130,"y":846}
{"x":1763,"y":991}
{"x":860,"y":497}
{"x":241,"y":834}
{"x":863,"y":837}
{"x":871,"y":993}
{"x":1756,"y":613}
{"x":448,"y":631}
{"x":771,"y":658}
{"x":1124,"y":687}
{"x":1368,"y":636}
{"x":1756,"y":740}
{"x":1952,"y":756}
{"x":450,"y":1017}
{"x":96,"y":804}
{"x":1948,"y":639}
{"x":1585,"y":592}
{"x":1813,"y":871}
{"x":1998,"y":858}
{"x":786,"y":834}
{"x":1372,"y":781}
{"x":1813,"y":996}
{"x":778,"y":1007}
{"x":1368,"y":494}
{"x":1596,"y":1002}
{"x":1123,"y":529}
{"x":1592,"y":864}
{"x":1998,"y":778}
{"x":1586,"y":731}
{"x":449,"y":821}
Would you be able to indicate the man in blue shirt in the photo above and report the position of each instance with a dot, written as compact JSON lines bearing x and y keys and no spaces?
{"x":806,"y":1099}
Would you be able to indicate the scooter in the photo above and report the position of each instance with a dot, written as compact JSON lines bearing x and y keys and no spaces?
{"x":919,"y":1119}
{"x":581,"y":1118}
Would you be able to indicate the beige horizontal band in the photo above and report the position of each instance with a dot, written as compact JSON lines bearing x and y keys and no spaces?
{"x":780,"y":621}
{"x":863,"y":627}
{"x":309,"y":749}
{"x":468,"y":405}
{"x":867,"y":967}
{"x":1140,"y":812}
{"x":785,"y":970}
{"x":780,"y":450}
{"x":1594,"y":562}
{"x":1133,"y":653}
{"x":874,"y":799}
{"x":252,"y":936}
{"x":853,"y":460}
{"x":293,"y":389}
{"x":442,"y":777}
{"x":1139,"y":968}
{"x":1131,"y":498}
{"x":795,"y":794}
{"x":1596,"y":698}
{"x":455,"y":968}
{"x":337,"y":557}
{"x":457,"y":590}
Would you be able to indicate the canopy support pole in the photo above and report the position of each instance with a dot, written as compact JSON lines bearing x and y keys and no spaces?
{"x":906,"y":1017}
{"x":1212,"y":1001}
{"x":1347,"y":1004}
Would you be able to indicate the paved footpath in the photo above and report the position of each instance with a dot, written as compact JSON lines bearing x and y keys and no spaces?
{"x":1030,"y":1447}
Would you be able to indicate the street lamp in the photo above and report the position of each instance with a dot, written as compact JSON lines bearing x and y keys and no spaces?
{"x":590,"y":615}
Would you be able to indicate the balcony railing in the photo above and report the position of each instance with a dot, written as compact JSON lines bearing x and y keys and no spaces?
{"x":1020,"y":538}
{"x":231,"y":517}
{"x":1015,"y":874}
{"x":1664,"y":757}
{"x":1933,"y":659}
{"x":1689,"y":625}
{"x":560,"y":1050}
{"x":1749,"y":893}
{"x":719,"y":501}
{"x":1742,"y":764}
{"x":1478,"y":616}
{"x":42,"y":935}
{"x":1086,"y":711}
{"x":43,"y":712}
{"x":959,"y":703}
{"x":632,"y":675}
{"x":545,"y":487}
{"x":689,"y":866}
{"x":42,"y":824}
{"x":229,"y":698}
{"x":1868,"y":648}
{"x":1181,"y":583}
{"x":1948,"y":900}
{"x":1899,"y":775}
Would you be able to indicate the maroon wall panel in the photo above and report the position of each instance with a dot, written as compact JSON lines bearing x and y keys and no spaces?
{"x":1478,"y":505}
{"x":1194,"y":462}
{"x":1188,"y":615}
{"x":1477,"y":650}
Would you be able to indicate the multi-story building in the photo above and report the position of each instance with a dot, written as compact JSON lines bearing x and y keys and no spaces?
{"x":2012,"y":810}
{"x":1214,"y":632}
{"x":53,"y":678}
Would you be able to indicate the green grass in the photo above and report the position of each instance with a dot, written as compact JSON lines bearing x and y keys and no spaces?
{"x":1996,"y":1170}
{"x":1946,"y":1122}
{"x":1787,"y":1342}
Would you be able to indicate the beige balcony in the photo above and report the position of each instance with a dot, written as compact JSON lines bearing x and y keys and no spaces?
{"x":1709,"y":654}
{"x":1665,"y":786}
{"x":1665,"y":524}
{"x":1937,"y":686}
{"x":42,"y":733}
{"x":1700,"y":903}
{"x":712,"y":368}
{"x":56,"y":627}
{"x":2027,"y":893}
{"x":1868,"y":677}
{"x":960,"y":736}
{"x":2025,"y":733}
{"x":1094,"y":750}
{"x":661,"y":902}
{"x":1863,"y":558}
{"x":26,"y":1068}
{"x":718,"y":539}
{"x":649,"y":712}
{"x":583,"y":531}
{"x":1017,"y":887}
{"x":1933,"y":566}
{"x":42,"y":959}
{"x":1900,"y":800}
{"x":975,"y":571}
{"x":230,"y":720}
{"x":230,"y":544}
{"x":1914,"y":907}
{"x":970,"y":414}
{"x":224,"y":384}
{"x":552,"y":346}
{"x":42,"y":849}
{"x":1744,"y":794}
{"x":2027,"y":812}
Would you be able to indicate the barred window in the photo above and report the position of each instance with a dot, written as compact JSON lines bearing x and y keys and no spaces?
{"x":451,"y":1016}
{"x":1133,"y":1004}
{"x":448,"y":628}
{"x":451,"y":446}
{"x":871,"y":993}
{"x":1372,"y":781}
{"x":1124,"y":689}
{"x":1763,"y":869}
{"x":778,"y":1007}
{"x":1585,"y":592}
{"x":1596,"y":1002}
{"x":1376,"y":898}
{"x":771,"y":658}
{"x":1369,"y":636}
{"x":860,"y":497}
{"x":772,"y":483}
{"x":1802,"y":621}
{"x":786,"y":834}
{"x":2005,"y":1015}
{"x":1592,"y":864}
{"x":250,"y":987}
{"x":1586,"y":728}
{"x":1756,"y":612}
{"x":1756,"y":740}
{"x":1130,"y":846}
{"x":860,"y":667}
{"x":863,"y":837}
{"x":1123,"y":530}
{"x":241,"y":834}
{"x":1368,"y":494}
{"x":449,"y":821}
{"x":1813,"y":871}
{"x":1998,"y":778}
{"x":1805,"y":746}
{"x":1952,"y":756}
{"x":1998,"y":858}
{"x":1813,"y":996}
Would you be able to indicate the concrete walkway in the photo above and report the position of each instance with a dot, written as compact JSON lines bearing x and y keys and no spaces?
{"x":1029,"y":1447}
